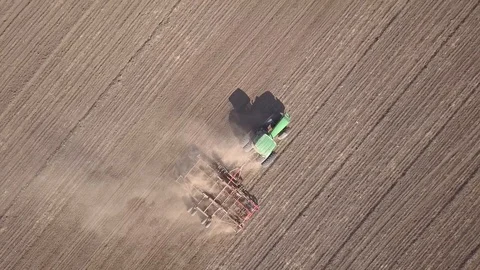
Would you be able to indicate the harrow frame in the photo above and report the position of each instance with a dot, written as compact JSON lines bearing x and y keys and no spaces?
{"x":222,"y":197}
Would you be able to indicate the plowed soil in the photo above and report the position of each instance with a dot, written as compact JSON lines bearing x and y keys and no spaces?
{"x":380,"y":171}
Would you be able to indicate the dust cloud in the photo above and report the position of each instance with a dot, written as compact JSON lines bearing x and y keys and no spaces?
{"x":110,"y":204}
{"x":112,"y":207}
{"x":221,"y":144}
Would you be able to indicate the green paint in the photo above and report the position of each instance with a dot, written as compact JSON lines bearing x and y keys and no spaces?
{"x":281,"y":125}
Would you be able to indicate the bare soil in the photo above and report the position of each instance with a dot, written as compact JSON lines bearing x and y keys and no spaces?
{"x":380,"y":171}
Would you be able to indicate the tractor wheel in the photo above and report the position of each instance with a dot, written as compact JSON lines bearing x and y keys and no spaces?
{"x":269,"y":160}
{"x":248,"y":147}
{"x":283,"y":134}
{"x":247,"y":143}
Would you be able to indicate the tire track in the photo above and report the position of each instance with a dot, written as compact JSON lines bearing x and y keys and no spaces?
{"x":29,"y":83}
{"x":423,"y":149}
{"x":452,"y":245}
{"x":407,"y":169}
{"x":415,"y":161}
{"x":432,"y":219}
{"x":470,"y":256}
{"x":403,"y":199}
{"x":140,"y":49}
{"x":442,"y":209}
{"x":8,"y":24}
{"x":353,"y":101}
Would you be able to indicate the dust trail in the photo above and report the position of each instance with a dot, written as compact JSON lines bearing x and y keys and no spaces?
{"x":102,"y":203}
{"x":100,"y":209}
{"x":222,"y":144}
{"x":219,"y":228}
{"x":202,"y":182}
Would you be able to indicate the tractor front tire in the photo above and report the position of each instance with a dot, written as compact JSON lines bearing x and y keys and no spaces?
{"x":269,"y":160}
{"x":248,"y":147}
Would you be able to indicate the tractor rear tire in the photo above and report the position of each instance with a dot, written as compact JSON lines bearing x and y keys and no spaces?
{"x":269,"y":160}
{"x":248,"y":147}
{"x":247,"y":143}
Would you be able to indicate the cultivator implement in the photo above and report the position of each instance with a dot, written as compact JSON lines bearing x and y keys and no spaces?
{"x":218,"y":193}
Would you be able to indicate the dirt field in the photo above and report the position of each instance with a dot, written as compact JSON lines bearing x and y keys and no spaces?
{"x":381,"y":171}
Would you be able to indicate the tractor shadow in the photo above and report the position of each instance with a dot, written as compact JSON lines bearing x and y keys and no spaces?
{"x":248,"y":115}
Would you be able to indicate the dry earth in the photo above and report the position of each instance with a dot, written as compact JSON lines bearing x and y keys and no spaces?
{"x":381,"y":171}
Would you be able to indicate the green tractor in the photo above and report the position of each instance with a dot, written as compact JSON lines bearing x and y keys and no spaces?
{"x":264,"y":120}
{"x":263,"y":140}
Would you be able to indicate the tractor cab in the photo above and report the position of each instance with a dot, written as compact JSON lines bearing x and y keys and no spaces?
{"x":264,"y":139}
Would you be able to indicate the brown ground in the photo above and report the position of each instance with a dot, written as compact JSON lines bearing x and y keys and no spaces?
{"x":97,"y":98}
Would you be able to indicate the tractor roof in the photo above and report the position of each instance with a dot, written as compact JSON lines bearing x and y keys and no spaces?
{"x":265,"y":145}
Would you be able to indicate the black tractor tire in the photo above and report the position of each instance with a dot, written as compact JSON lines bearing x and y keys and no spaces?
{"x":247,"y":143}
{"x":267,"y":162}
{"x":248,"y":147}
